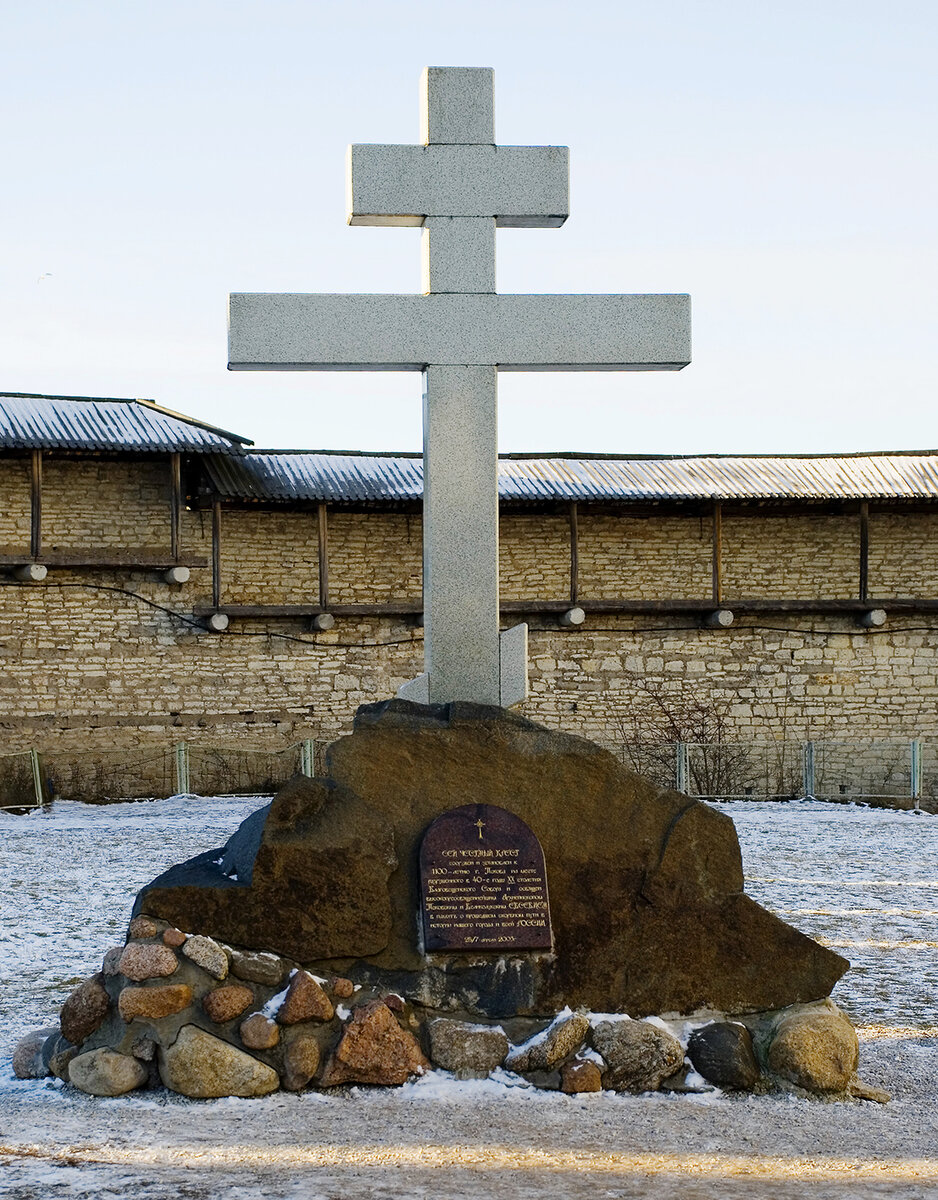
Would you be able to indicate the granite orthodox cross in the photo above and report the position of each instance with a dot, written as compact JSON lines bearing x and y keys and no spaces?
{"x":459,"y":186}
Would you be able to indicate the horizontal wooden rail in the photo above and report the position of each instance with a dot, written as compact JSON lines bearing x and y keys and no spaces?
{"x":403,"y":608}
{"x":143,"y":560}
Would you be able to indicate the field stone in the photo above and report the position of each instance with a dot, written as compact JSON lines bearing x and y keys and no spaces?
{"x":545,"y":1050}
{"x":258,"y":967}
{"x":206,"y":953}
{"x":259,"y":1032}
{"x":722,"y":1053}
{"x":374,"y":1049}
{"x":58,"y":1052}
{"x":639,"y":1055}
{"x":28,"y":1059}
{"x":580,"y":1075}
{"x":142,"y":927}
{"x":152,"y":1003}
{"x":300,"y":1063}
{"x":111,"y":965}
{"x":469,"y":1051}
{"x":173,"y":937}
{"x":342,"y":988}
{"x":104,"y":1072}
{"x":817,"y":1051}
{"x":85,"y":1010}
{"x":146,"y":960}
{"x":144,"y":1048}
{"x":203,"y":1067}
{"x":226,"y":1003}
{"x":305,"y":1001}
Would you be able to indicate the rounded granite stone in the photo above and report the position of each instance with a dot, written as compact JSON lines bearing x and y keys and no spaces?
{"x":147,"y":960}
{"x":225,"y":1003}
{"x":259,"y":1032}
{"x":153,"y":1003}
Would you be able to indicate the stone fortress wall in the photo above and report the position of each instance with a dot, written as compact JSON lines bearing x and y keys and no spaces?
{"x":86,"y":668}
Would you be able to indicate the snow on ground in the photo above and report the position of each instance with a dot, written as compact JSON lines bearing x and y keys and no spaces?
{"x":864,"y":881}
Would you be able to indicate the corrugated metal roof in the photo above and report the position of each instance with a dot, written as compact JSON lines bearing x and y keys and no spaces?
{"x":97,"y":423}
{"x":377,"y":478}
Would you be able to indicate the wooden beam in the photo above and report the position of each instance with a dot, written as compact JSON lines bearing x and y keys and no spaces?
{"x":717,"y":553}
{"x":694,"y":607}
{"x":574,"y":552}
{"x":117,"y":560}
{"x":35,"y":495}
{"x":216,"y":553}
{"x":175,"y":472}
{"x":864,"y":549}
{"x":323,"y":551}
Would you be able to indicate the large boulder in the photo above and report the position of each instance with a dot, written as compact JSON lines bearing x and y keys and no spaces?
{"x":646,"y":885}
{"x":105,"y":1072}
{"x":307,"y":876}
{"x":469,"y":1051}
{"x":722,"y":1053}
{"x":374,"y":1049}
{"x":817,"y":1051}
{"x":202,"y":1066}
{"x":638,"y":1054}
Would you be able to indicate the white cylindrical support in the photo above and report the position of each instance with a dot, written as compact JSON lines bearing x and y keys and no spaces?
{"x":807,"y":771}
{"x":182,"y":769}
{"x":176,"y":575}
{"x":216,"y":622}
{"x":308,"y":757}
{"x":573,"y":616}
{"x":323,"y":621}
{"x":873,"y":619}
{"x":31,"y":572}
{"x":722,"y":618}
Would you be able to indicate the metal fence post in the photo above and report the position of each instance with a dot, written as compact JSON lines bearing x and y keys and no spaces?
{"x":807,"y":770}
{"x":37,"y":778}
{"x":680,"y":766}
{"x":915,"y":769}
{"x":308,"y":757}
{"x":182,"y":769}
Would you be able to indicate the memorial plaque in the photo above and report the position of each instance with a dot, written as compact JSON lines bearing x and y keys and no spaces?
{"x":483,"y":882}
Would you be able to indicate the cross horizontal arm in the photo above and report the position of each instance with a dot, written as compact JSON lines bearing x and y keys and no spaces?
{"x":521,"y":186}
{"x":302,"y":332}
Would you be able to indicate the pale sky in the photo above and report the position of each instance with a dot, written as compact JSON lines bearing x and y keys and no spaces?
{"x":775,"y":160}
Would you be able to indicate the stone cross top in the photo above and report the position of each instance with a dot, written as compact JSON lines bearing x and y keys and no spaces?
{"x":459,"y":187}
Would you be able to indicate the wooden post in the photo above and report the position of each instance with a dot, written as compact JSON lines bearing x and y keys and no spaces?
{"x":864,"y":550}
{"x":175,"y":471}
{"x":323,"y":547}
{"x":717,"y":562}
{"x":574,"y":553}
{"x":35,"y":520}
{"x":216,"y":554}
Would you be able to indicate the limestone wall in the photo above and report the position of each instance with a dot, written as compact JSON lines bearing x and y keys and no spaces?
{"x":91,"y":669}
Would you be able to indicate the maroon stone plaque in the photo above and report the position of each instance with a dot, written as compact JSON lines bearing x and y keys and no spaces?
{"x":483,"y":883}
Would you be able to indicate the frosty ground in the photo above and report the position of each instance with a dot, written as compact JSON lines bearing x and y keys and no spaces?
{"x":863,"y":881}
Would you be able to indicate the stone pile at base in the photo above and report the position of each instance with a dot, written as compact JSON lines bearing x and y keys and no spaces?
{"x":458,"y":878}
{"x":206,"y":1020}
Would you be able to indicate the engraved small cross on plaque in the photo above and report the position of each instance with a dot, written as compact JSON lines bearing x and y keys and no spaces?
{"x":459,"y":186}
{"x":480,"y":825}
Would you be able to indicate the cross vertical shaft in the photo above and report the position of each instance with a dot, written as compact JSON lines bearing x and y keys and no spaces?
{"x":460,"y":534}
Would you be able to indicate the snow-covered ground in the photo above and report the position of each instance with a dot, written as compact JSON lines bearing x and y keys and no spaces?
{"x":864,"y":881}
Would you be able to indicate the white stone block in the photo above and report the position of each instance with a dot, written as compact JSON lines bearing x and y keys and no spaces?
{"x":457,"y":104}
{"x":521,"y":186}
{"x":458,"y":254}
{"x":298,"y":331}
{"x":513,"y":665}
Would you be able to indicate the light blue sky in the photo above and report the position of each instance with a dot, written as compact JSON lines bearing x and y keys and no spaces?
{"x":775,"y":160}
